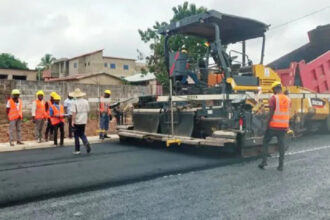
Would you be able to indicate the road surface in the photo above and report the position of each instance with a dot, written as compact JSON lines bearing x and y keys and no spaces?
{"x":238,"y":190}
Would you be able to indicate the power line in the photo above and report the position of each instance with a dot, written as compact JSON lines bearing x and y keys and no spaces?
{"x":299,"y":18}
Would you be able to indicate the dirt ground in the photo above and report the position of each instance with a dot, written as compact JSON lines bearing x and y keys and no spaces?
{"x":28,"y":129}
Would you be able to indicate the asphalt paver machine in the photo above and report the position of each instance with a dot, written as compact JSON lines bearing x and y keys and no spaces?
{"x":232,"y":111}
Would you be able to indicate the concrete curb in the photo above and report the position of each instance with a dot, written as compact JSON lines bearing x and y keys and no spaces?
{"x":28,"y":145}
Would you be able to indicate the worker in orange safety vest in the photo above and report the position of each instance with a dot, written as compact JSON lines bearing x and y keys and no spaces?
{"x":39,"y":114}
{"x":57,"y":115}
{"x":49,"y":129}
{"x":15,"y":116}
{"x":105,"y":115}
{"x":278,"y":123}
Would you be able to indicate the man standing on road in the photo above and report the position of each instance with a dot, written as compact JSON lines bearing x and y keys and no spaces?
{"x":105,"y":115}
{"x":39,"y":115}
{"x":15,"y":116}
{"x":79,"y":110}
{"x":49,"y":128}
{"x":67,"y":109}
{"x":278,"y":124}
{"x":56,"y":113}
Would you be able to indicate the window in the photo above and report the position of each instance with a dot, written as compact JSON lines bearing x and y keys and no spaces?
{"x":125,"y":67}
{"x":3,"y":76}
{"x":19,"y":77}
{"x":112,"y":66}
{"x":105,"y":65}
{"x":75,"y":65}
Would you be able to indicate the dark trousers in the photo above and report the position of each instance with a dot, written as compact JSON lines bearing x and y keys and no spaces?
{"x":280,"y":135}
{"x":61,"y":127}
{"x":79,"y":132}
{"x":70,"y":126}
{"x":49,"y":129}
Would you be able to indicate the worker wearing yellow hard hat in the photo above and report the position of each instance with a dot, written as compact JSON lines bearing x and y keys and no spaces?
{"x":105,"y":114}
{"x":39,"y":114}
{"x":278,"y":124}
{"x":49,"y":129}
{"x":57,"y":114}
{"x":15,"y":116}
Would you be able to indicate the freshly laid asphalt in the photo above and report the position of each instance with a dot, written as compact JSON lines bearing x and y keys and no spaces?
{"x":32,"y":175}
{"x":236,"y":191}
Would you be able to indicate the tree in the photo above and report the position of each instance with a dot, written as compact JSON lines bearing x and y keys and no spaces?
{"x":156,"y":61}
{"x":8,"y":61}
{"x":46,"y":61}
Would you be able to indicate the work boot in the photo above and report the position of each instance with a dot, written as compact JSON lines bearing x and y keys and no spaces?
{"x":20,"y":142}
{"x":76,"y":152}
{"x":106,"y":136}
{"x":280,"y":168}
{"x":88,"y":148}
{"x":262,"y":165}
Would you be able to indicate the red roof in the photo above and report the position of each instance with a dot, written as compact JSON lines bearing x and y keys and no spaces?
{"x":46,"y":74}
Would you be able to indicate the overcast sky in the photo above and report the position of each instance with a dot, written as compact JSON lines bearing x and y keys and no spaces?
{"x":67,"y":28}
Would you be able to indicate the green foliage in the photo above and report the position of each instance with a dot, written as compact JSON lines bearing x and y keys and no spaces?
{"x":46,"y":61}
{"x":156,"y":61}
{"x":8,"y":61}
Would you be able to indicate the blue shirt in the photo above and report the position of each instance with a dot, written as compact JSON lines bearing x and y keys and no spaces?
{"x":51,"y":112}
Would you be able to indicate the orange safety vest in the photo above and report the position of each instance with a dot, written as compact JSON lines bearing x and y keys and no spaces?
{"x":58,"y":115}
{"x":15,"y":113}
{"x":281,"y":115}
{"x":40,"y":109}
{"x":49,"y":106}
{"x":102,"y":107}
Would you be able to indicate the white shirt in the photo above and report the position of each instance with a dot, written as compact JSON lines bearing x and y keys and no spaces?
{"x":16,"y":103}
{"x":81,"y":107}
{"x":67,"y":105}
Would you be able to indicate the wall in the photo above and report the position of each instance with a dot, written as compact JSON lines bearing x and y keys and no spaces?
{"x":30,"y":75}
{"x":119,"y":70}
{"x":101,"y":80}
{"x":29,"y":88}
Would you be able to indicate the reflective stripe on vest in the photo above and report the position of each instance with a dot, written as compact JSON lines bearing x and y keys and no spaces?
{"x":40,"y":110}
{"x":15,"y":113}
{"x":281,"y":115}
{"x":102,"y":107}
{"x":58,"y":115}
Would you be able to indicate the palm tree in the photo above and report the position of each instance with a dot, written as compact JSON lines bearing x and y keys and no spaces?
{"x":46,"y":61}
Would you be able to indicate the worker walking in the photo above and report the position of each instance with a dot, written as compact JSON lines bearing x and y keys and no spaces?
{"x":39,"y":115}
{"x":67,"y":108}
{"x":79,"y":110}
{"x":105,"y":115}
{"x":15,"y":116}
{"x":56,"y":113}
{"x":278,"y":123}
{"x":49,"y":128}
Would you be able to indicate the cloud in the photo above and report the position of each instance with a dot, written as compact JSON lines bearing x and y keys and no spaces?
{"x":30,"y":29}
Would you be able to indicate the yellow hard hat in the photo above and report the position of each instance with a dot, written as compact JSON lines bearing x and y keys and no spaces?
{"x":15,"y":92}
{"x":52,"y":94}
{"x":57,"y":97}
{"x":184,"y":51}
{"x":275,"y":84}
{"x":108,"y":91}
{"x":40,"y":92}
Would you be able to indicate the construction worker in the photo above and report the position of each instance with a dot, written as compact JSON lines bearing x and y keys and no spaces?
{"x":80,"y":109}
{"x":56,"y":112}
{"x":15,"y":116}
{"x":49,"y":128}
{"x":278,"y":123}
{"x":105,"y":115}
{"x":39,"y":114}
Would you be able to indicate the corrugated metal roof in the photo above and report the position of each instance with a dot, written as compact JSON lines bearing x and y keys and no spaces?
{"x":140,"y":77}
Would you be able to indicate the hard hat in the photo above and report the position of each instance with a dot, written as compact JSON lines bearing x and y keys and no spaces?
{"x":40,"y":92}
{"x":15,"y":92}
{"x":108,"y":91}
{"x":275,"y":84}
{"x":57,"y":97}
{"x":52,"y":94}
{"x":184,"y":51}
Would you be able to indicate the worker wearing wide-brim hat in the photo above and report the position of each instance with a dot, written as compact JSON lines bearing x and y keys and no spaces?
{"x":39,"y":114}
{"x":105,"y":114}
{"x":15,"y":116}
{"x":278,"y":123}
{"x":79,"y":111}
